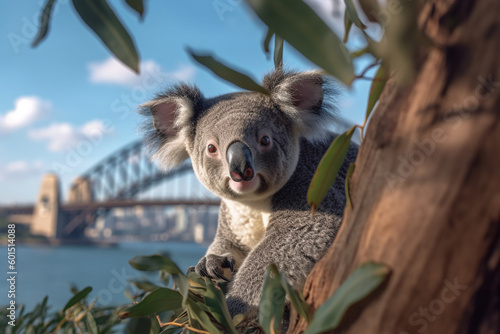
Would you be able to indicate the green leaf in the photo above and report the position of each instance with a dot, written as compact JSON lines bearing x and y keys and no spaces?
{"x":155,"y":326}
{"x":376,"y":89}
{"x":272,"y":301}
{"x":351,"y":11}
{"x":77,"y":297}
{"x":196,"y":312}
{"x":196,"y":280}
{"x":296,"y":298}
{"x":44,"y":22}
{"x":91,"y":324}
{"x":328,"y":168}
{"x":348,"y":176}
{"x":174,"y":330}
{"x":278,"y":52}
{"x":136,"y":5}
{"x":216,"y":303}
{"x":401,"y":41}
{"x":137,"y":325}
{"x":144,"y":284}
{"x":359,"y":53}
{"x":267,"y":40}
{"x":360,"y":284}
{"x":102,"y":20}
{"x":162,"y":262}
{"x":182,"y":283}
{"x":153,"y":263}
{"x":159,"y":300}
{"x":299,"y":25}
{"x":347,"y":26}
{"x":224,"y":72}
{"x":238,"y":319}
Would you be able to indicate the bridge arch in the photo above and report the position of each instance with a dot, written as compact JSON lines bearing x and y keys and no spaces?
{"x":125,"y":174}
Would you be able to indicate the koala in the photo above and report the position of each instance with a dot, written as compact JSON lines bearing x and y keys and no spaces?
{"x":258,"y":153}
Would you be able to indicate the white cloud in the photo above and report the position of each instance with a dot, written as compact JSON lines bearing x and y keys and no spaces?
{"x":20,"y":168}
{"x":27,"y":109}
{"x":112,"y":71}
{"x":63,"y":136}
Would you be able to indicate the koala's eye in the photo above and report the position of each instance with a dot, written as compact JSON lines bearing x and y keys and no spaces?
{"x":211,"y":148}
{"x":265,"y":141}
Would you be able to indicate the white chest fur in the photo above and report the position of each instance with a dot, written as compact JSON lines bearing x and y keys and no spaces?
{"x":249,"y":223}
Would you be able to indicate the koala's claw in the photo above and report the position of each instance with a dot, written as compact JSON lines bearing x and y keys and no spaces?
{"x":228,"y":263}
{"x":213,"y":266}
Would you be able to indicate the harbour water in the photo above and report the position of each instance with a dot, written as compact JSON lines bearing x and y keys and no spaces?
{"x":44,"y":270}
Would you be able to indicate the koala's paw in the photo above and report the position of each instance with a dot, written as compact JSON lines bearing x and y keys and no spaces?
{"x":213,"y":266}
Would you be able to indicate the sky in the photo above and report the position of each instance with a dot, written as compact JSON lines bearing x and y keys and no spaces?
{"x":69,"y":95}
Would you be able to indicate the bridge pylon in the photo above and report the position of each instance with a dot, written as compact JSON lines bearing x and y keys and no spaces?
{"x":80,"y":191}
{"x":47,"y":208}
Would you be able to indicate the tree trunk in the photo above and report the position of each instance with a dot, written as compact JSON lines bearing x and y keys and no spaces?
{"x":426,"y":188}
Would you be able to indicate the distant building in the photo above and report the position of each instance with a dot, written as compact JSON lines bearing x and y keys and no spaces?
{"x":183,"y":223}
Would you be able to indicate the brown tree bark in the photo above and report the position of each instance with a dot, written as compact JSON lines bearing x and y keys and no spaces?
{"x":426,"y":188}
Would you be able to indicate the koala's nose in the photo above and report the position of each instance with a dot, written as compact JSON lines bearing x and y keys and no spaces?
{"x":240,"y":163}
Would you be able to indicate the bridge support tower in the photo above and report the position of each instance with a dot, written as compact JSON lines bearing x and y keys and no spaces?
{"x":46,"y":217}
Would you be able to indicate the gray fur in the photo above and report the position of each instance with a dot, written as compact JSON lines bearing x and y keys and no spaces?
{"x":271,"y":222}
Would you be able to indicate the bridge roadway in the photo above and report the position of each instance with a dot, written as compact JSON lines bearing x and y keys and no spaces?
{"x":29,"y":209}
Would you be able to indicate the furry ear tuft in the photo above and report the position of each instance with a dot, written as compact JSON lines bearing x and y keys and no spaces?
{"x":306,"y":98}
{"x":170,"y":119}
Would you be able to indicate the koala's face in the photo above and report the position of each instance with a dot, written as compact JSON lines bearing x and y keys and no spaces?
{"x":244,"y":147}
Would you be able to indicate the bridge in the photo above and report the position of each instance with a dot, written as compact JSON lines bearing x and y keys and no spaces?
{"x":124,"y":179}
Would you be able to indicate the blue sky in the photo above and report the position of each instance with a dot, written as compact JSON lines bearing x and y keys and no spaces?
{"x":69,"y":88}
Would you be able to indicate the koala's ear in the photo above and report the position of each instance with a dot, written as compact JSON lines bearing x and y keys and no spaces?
{"x":305,"y":97}
{"x":171,"y":117}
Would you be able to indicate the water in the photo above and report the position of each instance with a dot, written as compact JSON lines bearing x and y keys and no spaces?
{"x":44,"y":270}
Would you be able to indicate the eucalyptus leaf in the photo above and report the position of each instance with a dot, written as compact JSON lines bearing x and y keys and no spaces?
{"x":91,"y":324}
{"x":154,"y":263}
{"x":196,"y":280}
{"x":267,"y":41}
{"x":44,"y":22}
{"x":328,"y":168}
{"x":278,"y":52}
{"x":224,"y":72}
{"x":296,"y":298}
{"x":216,"y":303}
{"x":272,"y":301}
{"x":351,"y":11}
{"x":182,"y":283}
{"x":347,"y":27}
{"x":359,"y":285}
{"x":359,"y":53}
{"x":238,"y":319}
{"x":347,"y":178}
{"x":299,"y":25}
{"x":159,"y":300}
{"x":401,"y":41}
{"x":155,"y":326}
{"x":376,"y":89}
{"x":144,"y":284}
{"x":136,"y":5}
{"x":102,"y":20}
{"x":196,"y":311}
{"x":162,"y":262}
{"x":77,"y":297}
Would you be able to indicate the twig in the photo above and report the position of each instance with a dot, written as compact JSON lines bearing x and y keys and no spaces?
{"x":369,"y":78}
{"x":362,"y":75}
{"x":173,"y":323}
